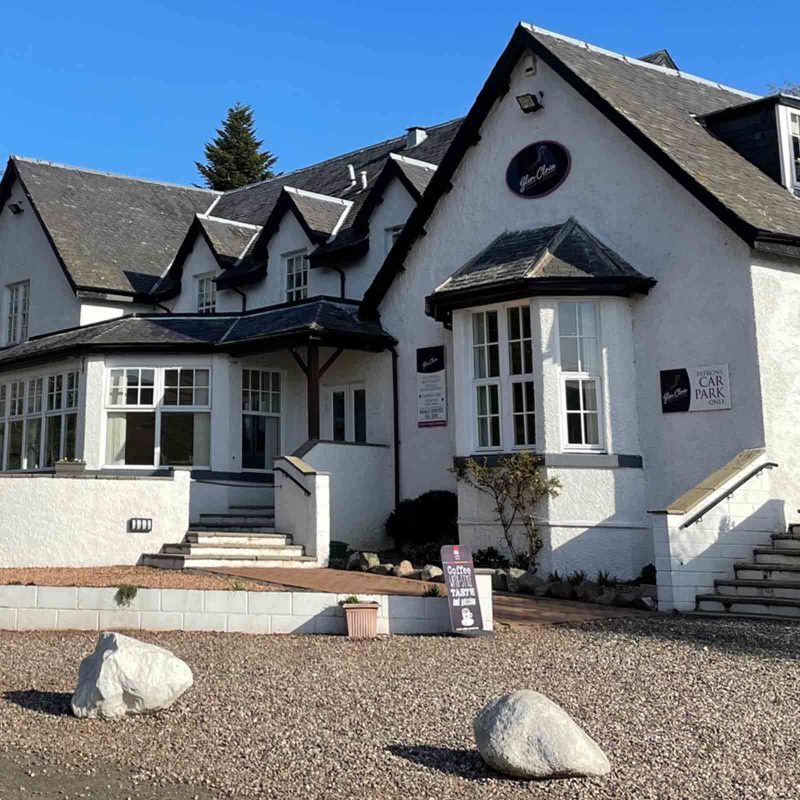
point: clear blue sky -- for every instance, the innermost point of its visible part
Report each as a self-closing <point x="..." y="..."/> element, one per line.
<point x="138" y="87"/>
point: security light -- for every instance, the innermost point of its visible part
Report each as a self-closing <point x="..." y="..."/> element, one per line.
<point x="529" y="103"/>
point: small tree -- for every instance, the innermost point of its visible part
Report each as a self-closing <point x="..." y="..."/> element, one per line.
<point x="516" y="487"/>
<point x="234" y="157"/>
<point x="786" y="88"/>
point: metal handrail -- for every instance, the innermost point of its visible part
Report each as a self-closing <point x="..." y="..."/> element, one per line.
<point x="753" y="472"/>
<point x="292" y="479"/>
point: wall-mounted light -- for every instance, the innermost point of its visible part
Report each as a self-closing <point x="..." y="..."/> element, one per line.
<point x="15" y="208"/>
<point x="529" y="103"/>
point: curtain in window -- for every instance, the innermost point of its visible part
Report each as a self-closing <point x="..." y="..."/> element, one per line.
<point x="116" y="429"/>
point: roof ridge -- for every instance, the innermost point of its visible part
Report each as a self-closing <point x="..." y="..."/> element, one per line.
<point x="339" y="157"/>
<point x="227" y="221"/>
<point x="547" y="254"/>
<point x="328" y="198"/>
<point x="638" y="62"/>
<point x="104" y="173"/>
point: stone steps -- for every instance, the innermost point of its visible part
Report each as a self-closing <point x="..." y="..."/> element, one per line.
<point x="749" y="570"/>
<point x="786" y="541"/>
<point x="237" y="536"/>
<point x="759" y="606"/>
<point x="785" y="590"/>
<point x="241" y="549"/>
<point x="206" y="561"/>
<point x="196" y="527"/>
<point x="242" y="519"/>
<point x="774" y="555"/>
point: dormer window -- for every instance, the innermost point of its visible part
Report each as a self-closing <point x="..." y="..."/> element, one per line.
<point x="206" y="294"/>
<point x="17" y="314"/>
<point x="794" y="143"/>
<point x="296" y="276"/>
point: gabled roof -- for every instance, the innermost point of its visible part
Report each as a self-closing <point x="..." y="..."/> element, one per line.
<point x="656" y="107"/>
<point x="227" y="239"/>
<point x="324" y="320"/>
<point x="110" y="233"/>
<point x="660" y="58"/>
<point x="563" y="259"/>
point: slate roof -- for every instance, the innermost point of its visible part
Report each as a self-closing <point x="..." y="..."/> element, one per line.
<point x="323" y="318"/>
<point x="418" y="175"/>
<point x="556" y="251"/>
<point x="111" y="233"/>
<point x="228" y="239"/>
<point x="320" y="214"/>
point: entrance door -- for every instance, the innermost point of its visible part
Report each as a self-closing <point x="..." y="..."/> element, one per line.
<point x="261" y="418"/>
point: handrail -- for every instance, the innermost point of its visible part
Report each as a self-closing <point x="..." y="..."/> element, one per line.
<point x="292" y="479"/>
<point x="753" y="472"/>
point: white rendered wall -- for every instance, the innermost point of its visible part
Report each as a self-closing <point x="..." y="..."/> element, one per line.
<point x="58" y="521"/>
<point x="26" y="254"/>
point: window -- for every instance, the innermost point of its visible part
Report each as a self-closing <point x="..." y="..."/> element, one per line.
<point x="486" y="374"/>
<point x="391" y="235"/>
<point x="261" y="418"/>
<point x="794" y="136"/>
<point x="206" y="294"/>
<point x="158" y="417"/>
<point x="38" y="421"/>
<point x="18" y="307"/>
<point x="296" y="276"/>
<point x="347" y="413"/>
<point x="580" y="375"/>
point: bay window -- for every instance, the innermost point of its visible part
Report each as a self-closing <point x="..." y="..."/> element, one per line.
<point x="158" y="417"/>
<point x="38" y="421"/>
<point x="580" y="376"/>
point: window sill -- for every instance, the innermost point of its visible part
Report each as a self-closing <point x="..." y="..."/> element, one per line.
<point x="569" y="460"/>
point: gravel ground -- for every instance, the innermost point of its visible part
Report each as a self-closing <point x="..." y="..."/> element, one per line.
<point x="684" y="708"/>
<point x="143" y="577"/>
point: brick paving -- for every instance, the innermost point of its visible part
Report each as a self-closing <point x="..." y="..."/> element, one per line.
<point x="513" y="610"/>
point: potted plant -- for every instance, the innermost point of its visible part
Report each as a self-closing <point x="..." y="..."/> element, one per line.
<point x="362" y="618"/>
<point x="69" y="466"/>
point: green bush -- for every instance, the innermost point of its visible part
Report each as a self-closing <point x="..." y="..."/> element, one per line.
<point x="429" y="520"/>
<point x="490" y="558"/>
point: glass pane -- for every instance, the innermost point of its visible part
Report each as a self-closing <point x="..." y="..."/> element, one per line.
<point x="170" y="396"/>
<point x="479" y="364"/>
<point x="491" y="326"/>
<point x="140" y="429"/>
<point x="177" y="440"/>
<point x="529" y="396"/>
<point x="132" y="377"/>
<point x="589" y="391"/>
<point x="526" y="321"/>
<point x="513" y="323"/>
<point x="115" y="390"/>
<point x="527" y="361"/>
<point x="201" y="397"/>
<point x="276" y="381"/>
<point x="253" y="441"/>
<point x="531" y="422"/>
<point x="574" y="435"/>
<point x="519" y="430"/>
<point x="567" y="319"/>
<point x="52" y="444"/>
<point x="171" y="377"/>
<point x="33" y="441"/>
<point x="70" y="435"/>
<point x="483" y="432"/>
<point x="482" y="407"/>
<point x="569" y="355"/>
<point x="2" y="442"/>
<point x="273" y="439"/>
<point x="276" y="402"/>
<point x="588" y="355"/>
<point x="15" y="445"/>
<point x="132" y="396"/>
<point x="115" y="438"/>
<point x="587" y="320"/>
<point x="494" y="399"/>
<point x="494" y="360"/>
<point x="360" y="415"/>
<point x="245" y="379"/>
<point x="495" y="429"/>
<point x="517" y="397"/>
<point x="573" y="395"/>
<point x="515" y="357"/>
<point x="186" y="377"/>
<point x="592" y="429"/>
<point x="147" y="397"/>
<point x="148" y="377"/>
<point x="201" y="377"/>
<point x="339" y="429"/>
<point x="184" y="396"/>
<point x="477" y="329"/>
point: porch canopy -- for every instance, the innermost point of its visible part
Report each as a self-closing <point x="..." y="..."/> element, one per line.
<point x="301" y="327"/>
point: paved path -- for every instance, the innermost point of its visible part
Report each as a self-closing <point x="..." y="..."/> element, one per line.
<point x="509" y="609"/>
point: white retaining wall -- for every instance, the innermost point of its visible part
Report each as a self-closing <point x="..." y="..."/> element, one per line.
<point x="65" y="521"/>
<point x="81" y="608"/>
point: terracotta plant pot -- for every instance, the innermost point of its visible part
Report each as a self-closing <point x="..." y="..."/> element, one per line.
<point x="362" y="620"/>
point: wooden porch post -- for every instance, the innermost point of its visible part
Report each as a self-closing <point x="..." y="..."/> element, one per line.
<point x="312" y="378"/>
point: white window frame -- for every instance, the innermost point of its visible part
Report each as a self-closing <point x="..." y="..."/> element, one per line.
<point x="349" y="390"/>
<point x="581" y="375"/>
<point x="17" y="311"/>
<point x="15" y="406"/>
<point x="206" y="293"/>
<point x="390" y="235"/>
<point x="157" y="407"/>
<point x="295" y="291"/>
<point x="790" y="168"/>
<point x="275" y="414"/>
<point x="505" y="380"/>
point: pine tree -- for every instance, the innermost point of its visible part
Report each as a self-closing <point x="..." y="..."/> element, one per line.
<point x="234" y="157"/>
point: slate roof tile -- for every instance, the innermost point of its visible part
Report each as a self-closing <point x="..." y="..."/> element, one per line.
<point x="228" y="239"/>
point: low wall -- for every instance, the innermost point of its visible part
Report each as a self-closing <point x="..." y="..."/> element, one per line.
<point x="81" y="608"/>
<point x="81" y="520"/>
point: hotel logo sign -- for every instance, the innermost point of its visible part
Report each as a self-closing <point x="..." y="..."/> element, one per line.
<point x="538" y="169"/>
<point x="695" y="389"/>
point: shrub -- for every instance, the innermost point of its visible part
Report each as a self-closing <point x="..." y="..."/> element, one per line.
<point x="125" y="594"/>
<point x="433" y="591"/>
<point x="429" y="520"/>
<point x="490" y="557"/>
<point x="604" y="578"/>
<point x="577" y="577"/>
<point x="350" y="601"/>
<point x="648" y="574"/>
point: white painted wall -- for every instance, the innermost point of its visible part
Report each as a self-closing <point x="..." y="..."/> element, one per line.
<point x="26" y="254"/>
<point x="56" y="521"/>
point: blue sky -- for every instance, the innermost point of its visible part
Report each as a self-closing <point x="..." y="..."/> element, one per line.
<point x="137" y="88"/>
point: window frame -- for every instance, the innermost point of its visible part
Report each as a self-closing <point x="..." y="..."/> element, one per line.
<point x="581" y="375"/>
<point x="349" y="390"/>
<point x="790" y="166"/>
<point x="279" y="415"/>
<point x="203" y="304"/>
<point x="286" y="260"/>
<point x="157" y="407"/>
<point x="17" y="320"/>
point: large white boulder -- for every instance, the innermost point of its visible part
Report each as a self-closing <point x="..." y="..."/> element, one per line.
<point x="526" y="735"/>
<point x="125" y="676"/>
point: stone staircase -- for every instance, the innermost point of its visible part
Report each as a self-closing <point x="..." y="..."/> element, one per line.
<point x="244" y="536"/>
<point x="768" y="586"/>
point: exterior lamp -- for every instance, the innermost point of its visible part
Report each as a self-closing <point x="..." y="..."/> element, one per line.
<point x="529" y="103"/>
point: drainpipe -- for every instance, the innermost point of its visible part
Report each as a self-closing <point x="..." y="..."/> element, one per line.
<point x="396" y="405"/>
<point x="242" y="295"/>
<point x="342" y="283"/>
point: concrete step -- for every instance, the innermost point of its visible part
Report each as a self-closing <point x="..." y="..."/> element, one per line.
<point x="199" y="561"/>
<point x="223" y="537"/>
<point x="772" y="555"/>
<point x="785" y="590"/>
<point x="773" y="607"/>
<point x="251" y="509"/>
<point x="786" y="541"/>
<point x="243" y="550"/>
<point x="246" y="520"/>
<point x="196" y="527"/>
<point x="748" y="570"/>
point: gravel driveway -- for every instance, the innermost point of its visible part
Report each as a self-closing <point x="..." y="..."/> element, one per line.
<point x="684" y="708"/>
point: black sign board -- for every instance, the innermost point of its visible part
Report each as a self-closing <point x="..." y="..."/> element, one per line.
<point x="462" y="589"/>
<point x="675" y="390"/>
<point x="538" y="169"/>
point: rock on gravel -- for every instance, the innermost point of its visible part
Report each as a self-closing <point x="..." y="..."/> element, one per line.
<point x="125" y="676"/>
<point x="526" y="735"/>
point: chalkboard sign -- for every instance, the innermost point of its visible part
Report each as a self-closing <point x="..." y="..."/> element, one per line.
<point x="462" y="589"/>
<point x="538" y="169"/>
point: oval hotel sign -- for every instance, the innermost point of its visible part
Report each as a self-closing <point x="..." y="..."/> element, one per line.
<point x="538" y="169"/>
